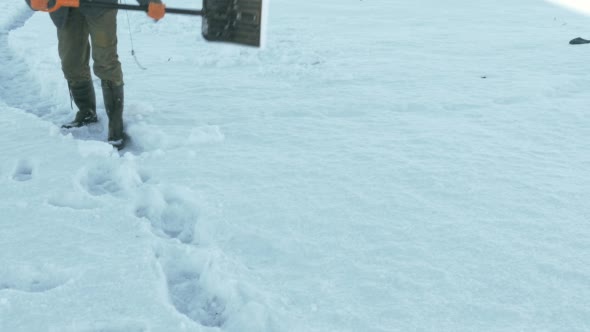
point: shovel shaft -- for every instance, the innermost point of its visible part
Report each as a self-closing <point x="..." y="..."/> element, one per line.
<point x="91" y="3"/>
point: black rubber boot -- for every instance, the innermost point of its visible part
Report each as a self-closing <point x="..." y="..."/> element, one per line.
<point x="83" y="94"/>
<point x="113" y="103"/>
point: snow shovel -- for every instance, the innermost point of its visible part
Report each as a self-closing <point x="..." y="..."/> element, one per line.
<point x="233" y="21"/>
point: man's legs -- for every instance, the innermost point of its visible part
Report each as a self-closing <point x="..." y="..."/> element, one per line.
<point x="103" y="33"/>
<point x="74" y="52"/>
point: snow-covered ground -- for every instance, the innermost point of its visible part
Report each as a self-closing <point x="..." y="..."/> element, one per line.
<point x="381" y="165"/>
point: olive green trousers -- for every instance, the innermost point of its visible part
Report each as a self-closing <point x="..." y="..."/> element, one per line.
<point x="83" y="36"/>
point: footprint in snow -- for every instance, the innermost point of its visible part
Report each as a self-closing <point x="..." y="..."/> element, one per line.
<point x="108" y="177"/>
<point x="191" y="290"/>
<point x="171" y="214"/>
<point x="23" y="170"/>
<point x="191" y="299"/>
<point x="32" y="279"/>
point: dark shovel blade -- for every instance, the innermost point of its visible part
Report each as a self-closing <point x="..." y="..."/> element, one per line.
<point x="233" y="21"/>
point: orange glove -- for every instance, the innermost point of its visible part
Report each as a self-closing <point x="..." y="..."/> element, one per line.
<point x="155" y="10"/>
<point x="43" y="5"/>
<point x="39" y="4"/>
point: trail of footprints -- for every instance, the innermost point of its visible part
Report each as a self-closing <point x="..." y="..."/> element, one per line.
<point x="173" y="217"/>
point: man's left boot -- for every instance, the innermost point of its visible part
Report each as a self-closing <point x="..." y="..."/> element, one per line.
<point x="113" y="102"/>
<point x="83" y="94"/>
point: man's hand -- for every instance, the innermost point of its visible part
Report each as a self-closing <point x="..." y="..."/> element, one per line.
<point x="39" y="4"/>
<point x="156" y="9"/>
<point x="44" y="5"/>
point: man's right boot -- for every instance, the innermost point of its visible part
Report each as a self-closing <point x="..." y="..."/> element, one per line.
<point x="83" y="94"/>
<point x="113" y="95"/>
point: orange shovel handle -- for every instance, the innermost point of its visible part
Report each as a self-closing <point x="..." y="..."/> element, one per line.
<point x="43" y="5"/>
